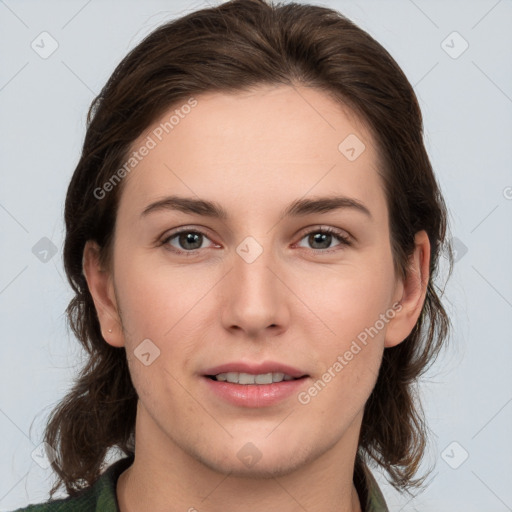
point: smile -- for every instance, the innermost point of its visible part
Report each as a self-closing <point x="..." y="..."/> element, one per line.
<point x="247" y="378"/>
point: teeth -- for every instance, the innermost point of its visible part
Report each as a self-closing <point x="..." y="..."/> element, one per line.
<point x="247" y="378"/>
<point x="232" y="377"/>
<point x="265" y="378"/>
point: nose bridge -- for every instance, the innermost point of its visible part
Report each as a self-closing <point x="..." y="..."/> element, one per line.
<point x="255" y="296"/>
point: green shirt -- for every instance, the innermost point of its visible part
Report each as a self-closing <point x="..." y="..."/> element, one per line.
<point x="101" y="497"/>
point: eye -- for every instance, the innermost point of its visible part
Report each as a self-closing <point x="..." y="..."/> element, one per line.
<point x="322" y="238"/>
<point x="185" y="241"/>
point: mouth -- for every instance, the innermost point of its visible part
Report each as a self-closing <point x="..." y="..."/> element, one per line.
<point x="245" y="373"/>
<point x="248" y="378"/>
<point x="254" y="385"/>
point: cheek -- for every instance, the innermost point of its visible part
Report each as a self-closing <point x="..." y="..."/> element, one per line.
<point x="348" y="299"/>
<point x="349" y="332"/>
<point x="156" y="297"/>
<point x="167" y="306"/>
<point x="348" y="361"/>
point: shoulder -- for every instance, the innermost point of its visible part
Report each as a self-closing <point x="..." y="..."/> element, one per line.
<point x="99" y="497"/>
<point x="82" y="502"/>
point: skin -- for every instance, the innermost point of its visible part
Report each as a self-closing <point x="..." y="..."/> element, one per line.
<point x="253" y="153"/>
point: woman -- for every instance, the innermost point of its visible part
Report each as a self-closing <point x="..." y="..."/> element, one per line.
<point x="252" y="234"/>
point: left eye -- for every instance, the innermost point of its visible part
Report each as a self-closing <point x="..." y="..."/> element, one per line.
<point x="324" y="237"/>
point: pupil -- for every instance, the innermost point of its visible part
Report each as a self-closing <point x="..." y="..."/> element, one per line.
<point x="190" y="238"/>
<point x="321" y="238"/>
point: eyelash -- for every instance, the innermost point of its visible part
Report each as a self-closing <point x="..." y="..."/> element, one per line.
<point x="343" y="239"/>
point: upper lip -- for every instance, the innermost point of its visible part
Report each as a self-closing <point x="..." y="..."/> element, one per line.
<point x="255" y="369"/>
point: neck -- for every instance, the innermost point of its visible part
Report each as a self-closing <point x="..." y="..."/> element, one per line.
<point x="173" y="480"/>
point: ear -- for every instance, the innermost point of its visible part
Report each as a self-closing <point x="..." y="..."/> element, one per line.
<point x="414" y="291"/>
<point x="101" y="287"/>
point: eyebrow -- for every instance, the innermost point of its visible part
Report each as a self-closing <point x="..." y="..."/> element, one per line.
<point x="297" y="208"/>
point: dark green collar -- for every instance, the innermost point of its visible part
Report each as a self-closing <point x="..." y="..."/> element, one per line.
<point x="102" y="497"/>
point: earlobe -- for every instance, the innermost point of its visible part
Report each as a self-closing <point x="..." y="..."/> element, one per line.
<point x="414" y="292"/>
<point x="101" y="288"/>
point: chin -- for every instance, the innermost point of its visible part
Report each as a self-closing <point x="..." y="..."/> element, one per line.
<point x="247" y="459"/>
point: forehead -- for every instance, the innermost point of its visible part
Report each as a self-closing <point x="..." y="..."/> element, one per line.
<point x="255" y="149"/>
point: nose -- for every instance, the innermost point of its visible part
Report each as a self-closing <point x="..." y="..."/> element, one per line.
<point x="255" y="297"/>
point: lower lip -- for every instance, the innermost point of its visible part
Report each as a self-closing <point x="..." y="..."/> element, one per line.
<point x="255" y="395"/>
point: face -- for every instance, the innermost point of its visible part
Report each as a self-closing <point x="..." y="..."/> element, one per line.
<point x="309" y="293"/>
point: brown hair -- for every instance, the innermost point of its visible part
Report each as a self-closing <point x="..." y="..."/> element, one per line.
<point x="233" y="47"/>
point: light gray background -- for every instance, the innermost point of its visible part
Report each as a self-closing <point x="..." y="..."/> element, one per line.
<point x="467" y="107"/>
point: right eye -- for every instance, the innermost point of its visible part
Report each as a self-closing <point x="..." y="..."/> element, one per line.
<point x="185" y="241"/>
